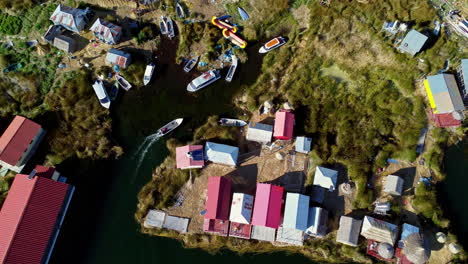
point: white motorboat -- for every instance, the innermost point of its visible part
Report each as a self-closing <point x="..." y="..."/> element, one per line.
<point x="170" y="27"/>
<point x="163" y="25"/>
<point x="232" y="69"/>
<point x="148" y="73"/>
<point x="123" y="83"/>
<point x="101" y="93"/>
<point x="272" y="44"/>
<point x="169" y="127"/>
<point x="203" y="80"/>
<point x="191" y="64"/>
<point x="231" y="122"/>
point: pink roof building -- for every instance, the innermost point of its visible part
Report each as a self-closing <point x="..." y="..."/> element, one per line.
<point x="190" y="157"/>
<point x="267" y="206"/>
<point x="31" y="217"/>
<point x="218" y="198"/>
<point x="284" y="125"/>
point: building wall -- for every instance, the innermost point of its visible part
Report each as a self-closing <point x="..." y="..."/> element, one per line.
<point x="29" y="152"/>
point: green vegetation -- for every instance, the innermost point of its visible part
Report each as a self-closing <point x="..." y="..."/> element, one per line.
<point x="145" y="34"/>
<point x="135" y="72"/>
<point x="5" y="183"/>
<point x="9" y="25"/>
<point x="16" y="4"/>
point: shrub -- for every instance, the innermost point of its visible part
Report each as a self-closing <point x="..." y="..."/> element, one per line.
<point x="10" y="25"/>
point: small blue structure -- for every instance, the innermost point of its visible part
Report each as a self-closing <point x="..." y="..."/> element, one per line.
<point x="303" y="144"/>
<point x="394" y="161"/>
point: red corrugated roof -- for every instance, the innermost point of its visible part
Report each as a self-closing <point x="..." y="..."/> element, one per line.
<point x="28" y="218"/>
<point x="43" y="171"/>
<point x="445" y="120"/>
<point x="284" y="125"/>
<point x="16" y="139"/>
<point x="218" y="198"/>
<point x="267" y="206"/>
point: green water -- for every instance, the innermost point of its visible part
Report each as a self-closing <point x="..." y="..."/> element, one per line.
<point x="454" y="191"/>
<point x="100" y="227"/>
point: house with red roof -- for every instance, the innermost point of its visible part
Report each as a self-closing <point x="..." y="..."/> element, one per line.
<point x="32" y="215"/>
<point x="268" y="205"/>
<point x="106" y="31"/>
<point x="218" y="201"/>
<point x="118" y="57"/>
<point x="284" y="125"/>
<point x="19" y="142"/>
<point x="190" y="157"/>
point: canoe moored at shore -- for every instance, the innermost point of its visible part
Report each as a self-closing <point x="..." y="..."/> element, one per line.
<point x="123" y="83"/>
<point x="170" y="28"/>
<point x="101" y="94"/>
<point x="272" y="44"/>
<point x="220" y="23"/>
<point x="166" y="129"/>
<point x="163" y="25"/>
<point x="236" y="40"/>
<point x="232" y="69"/>
<point x="148" y="73"/>
<point x="231" y="122"/>
<point x="191" y="64"/>
<point x="203" y="80"/>
<point x="242" y="13"/>
<point x="180" y="11"/>
<point x="114" y="91"/>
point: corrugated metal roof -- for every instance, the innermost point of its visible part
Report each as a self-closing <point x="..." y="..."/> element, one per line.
<point x="413" y="42"/>
<point x="29" y="217"/>
<point x="303" y="144"/>
<point x="117" y="57"/>
<point x="218" y="198"/>
<point x="445" y="94"/>
<point x="284" y="125"/>
<point x="241" y="208"/>
<point x="316" y="224"/>
<point x="155" y="218"/>
<point x="464" y="70"/>
<point x="179" y="224"/>
<point x="107" y="31"/>
<point x="393" y="185"/>
<point x="222" y="154"/>
<point x="267" y="206"/>
<point x="348" y="232"/>
<point x="259" y="132"/>
<point x="379" y="230"/>
<point x="70" y="18"/>
<point x="190" y="156"/>
<point x="16" y="139"/>
<point x="296" y="211"/>
<point x="325" y="178"/>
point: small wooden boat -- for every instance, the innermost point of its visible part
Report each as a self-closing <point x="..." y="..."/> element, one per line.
<point x="114" y="91"/>
<point x="232" y="122"/>
<point x="123" y="83"/>
<point x="170" y="28"/>
<point x="163" y="25"/>
<point x="169" y="127"/>
<point x="236" y="40"/>
<point x="101" y="94"/>
<point x="203" y="80"/>
<point x="242" y="13"/>
<point x="232" y="69"/>
<point x="180" y="11"/>
<point x="272" y="44"/>
<point x="191" y="64"/>
<point x="148" y="73"/>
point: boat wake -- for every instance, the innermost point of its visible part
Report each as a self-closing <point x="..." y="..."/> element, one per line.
<point x="143" y="149"/>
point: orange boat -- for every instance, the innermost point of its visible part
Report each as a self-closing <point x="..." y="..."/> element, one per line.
<point x="272" y="44"/>
<point x="236" y="40"/>
<point x="223" y="25"/>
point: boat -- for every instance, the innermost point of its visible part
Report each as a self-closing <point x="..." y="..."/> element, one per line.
<point x="101" y="93"/>
<point x="232" y="69"/>
<point x="191" y="64"/>
<point x="148" y="73"/>
<point x="114" y="91"/>
<point x="180" y="11"/>
<point x="123" y="83"/>
<point x="222" y="24"/>
<point x="163" y="25"/>
<point x="169" y="127"/>
<point x="236" y="40"/>
<point x="272" y="44"/>
<point x="232" y="122"/>
<point x="170" y="27"/>
<point x="203" y="80"/>
<point x="242" y="13"/>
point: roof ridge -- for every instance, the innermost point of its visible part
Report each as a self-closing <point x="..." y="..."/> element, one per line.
<point x="16" y="132"/>
<point x="22" y="213"/>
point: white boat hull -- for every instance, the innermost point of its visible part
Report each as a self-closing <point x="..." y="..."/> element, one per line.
<point x="101" y="94"/>
<point x="192" y="87"/>
<point x="148" y="74"/>
<point x="166" y="129"/>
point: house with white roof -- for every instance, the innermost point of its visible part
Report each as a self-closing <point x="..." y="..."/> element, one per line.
<point x="393" y="185"/>
<point x="325" y="178"/>
<point x="241" y="208"/>
<point x="106" y="31"/>
<point x="413" y="42"/>
<point x="296" y="211"/>
<point x="70" y="18"/>
<point x="348" y="232"/>
<point x="303" y="144"/>
<point x="258" y="132"/>
<point x="221" y="154"/>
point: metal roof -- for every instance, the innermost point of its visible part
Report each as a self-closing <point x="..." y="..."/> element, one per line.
<point x="325" y="178"/>
<point x="284" y="125"/>
<point x="317" y="222"/>
<point x="190" y="156"/>
<point x="379" y="230"/>
<point x="263" y="233"/>
<point x="267" y="206"/>
<point x="154" y="218"/>
<point x="464" y="72"/>
<point x="118" y="57"/>
<point x="259" y="132"/>
<point x="218" y="198"/>
<point x="107" y="31"/>
<point x="296" y="211"/>
<point x="290" y="236"/>
<point x="413" y="42"/>
<point x="393" y="185"/>
<point x="348" y="232"/>
<point x="303" y="144"/>
<point x="222" y="154"/>
<point x="443" y="93"/>
<point x="179" y="224"/>
<point x="241" y="208"/>
<point x="71" y="18"/>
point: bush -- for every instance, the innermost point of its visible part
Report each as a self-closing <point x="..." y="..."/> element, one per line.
<point x="10" y="25"/>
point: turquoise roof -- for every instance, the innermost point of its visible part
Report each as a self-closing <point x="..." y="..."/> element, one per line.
<point x="464" y="67"/>
<point x="413" y="42"/>
<point x="437" y="83"/>
<point x="296" y="211"/>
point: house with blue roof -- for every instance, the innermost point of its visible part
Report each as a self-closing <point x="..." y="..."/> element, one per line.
<point x="303" y="144"/>
<point x="221" y="154"/>
<point x="317" y="222"/>
<point x="463" y="80"/>
<point x="413" y="42"/>
<point x="296" y="211"/>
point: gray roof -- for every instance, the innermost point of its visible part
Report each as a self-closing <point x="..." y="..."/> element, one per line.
<point x="416" y="249"/>
<point x="303" y="144"/>
<point x="290" y="236"/>
<point x="118" y="57"/>
<point x="259" y="132"/>
<point x="378" y="230"/>
<point x="386" y="250"/>
<point x="154" y="218"/>
<point x="64" y="43"/>
<point x="464" y="72"/>
<point x="263" y="233"/>
<point x="179" y="224"/>
<point x="348" y="232"/>
<point x="222" y="154"/>
<point x="393" y="185"/>
<point x="317" y="222"/>
<point x="413" y="42"/>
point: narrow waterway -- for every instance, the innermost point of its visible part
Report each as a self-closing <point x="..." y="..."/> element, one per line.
<point x="454" y="195"/>
<point x="100" y="226"/>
